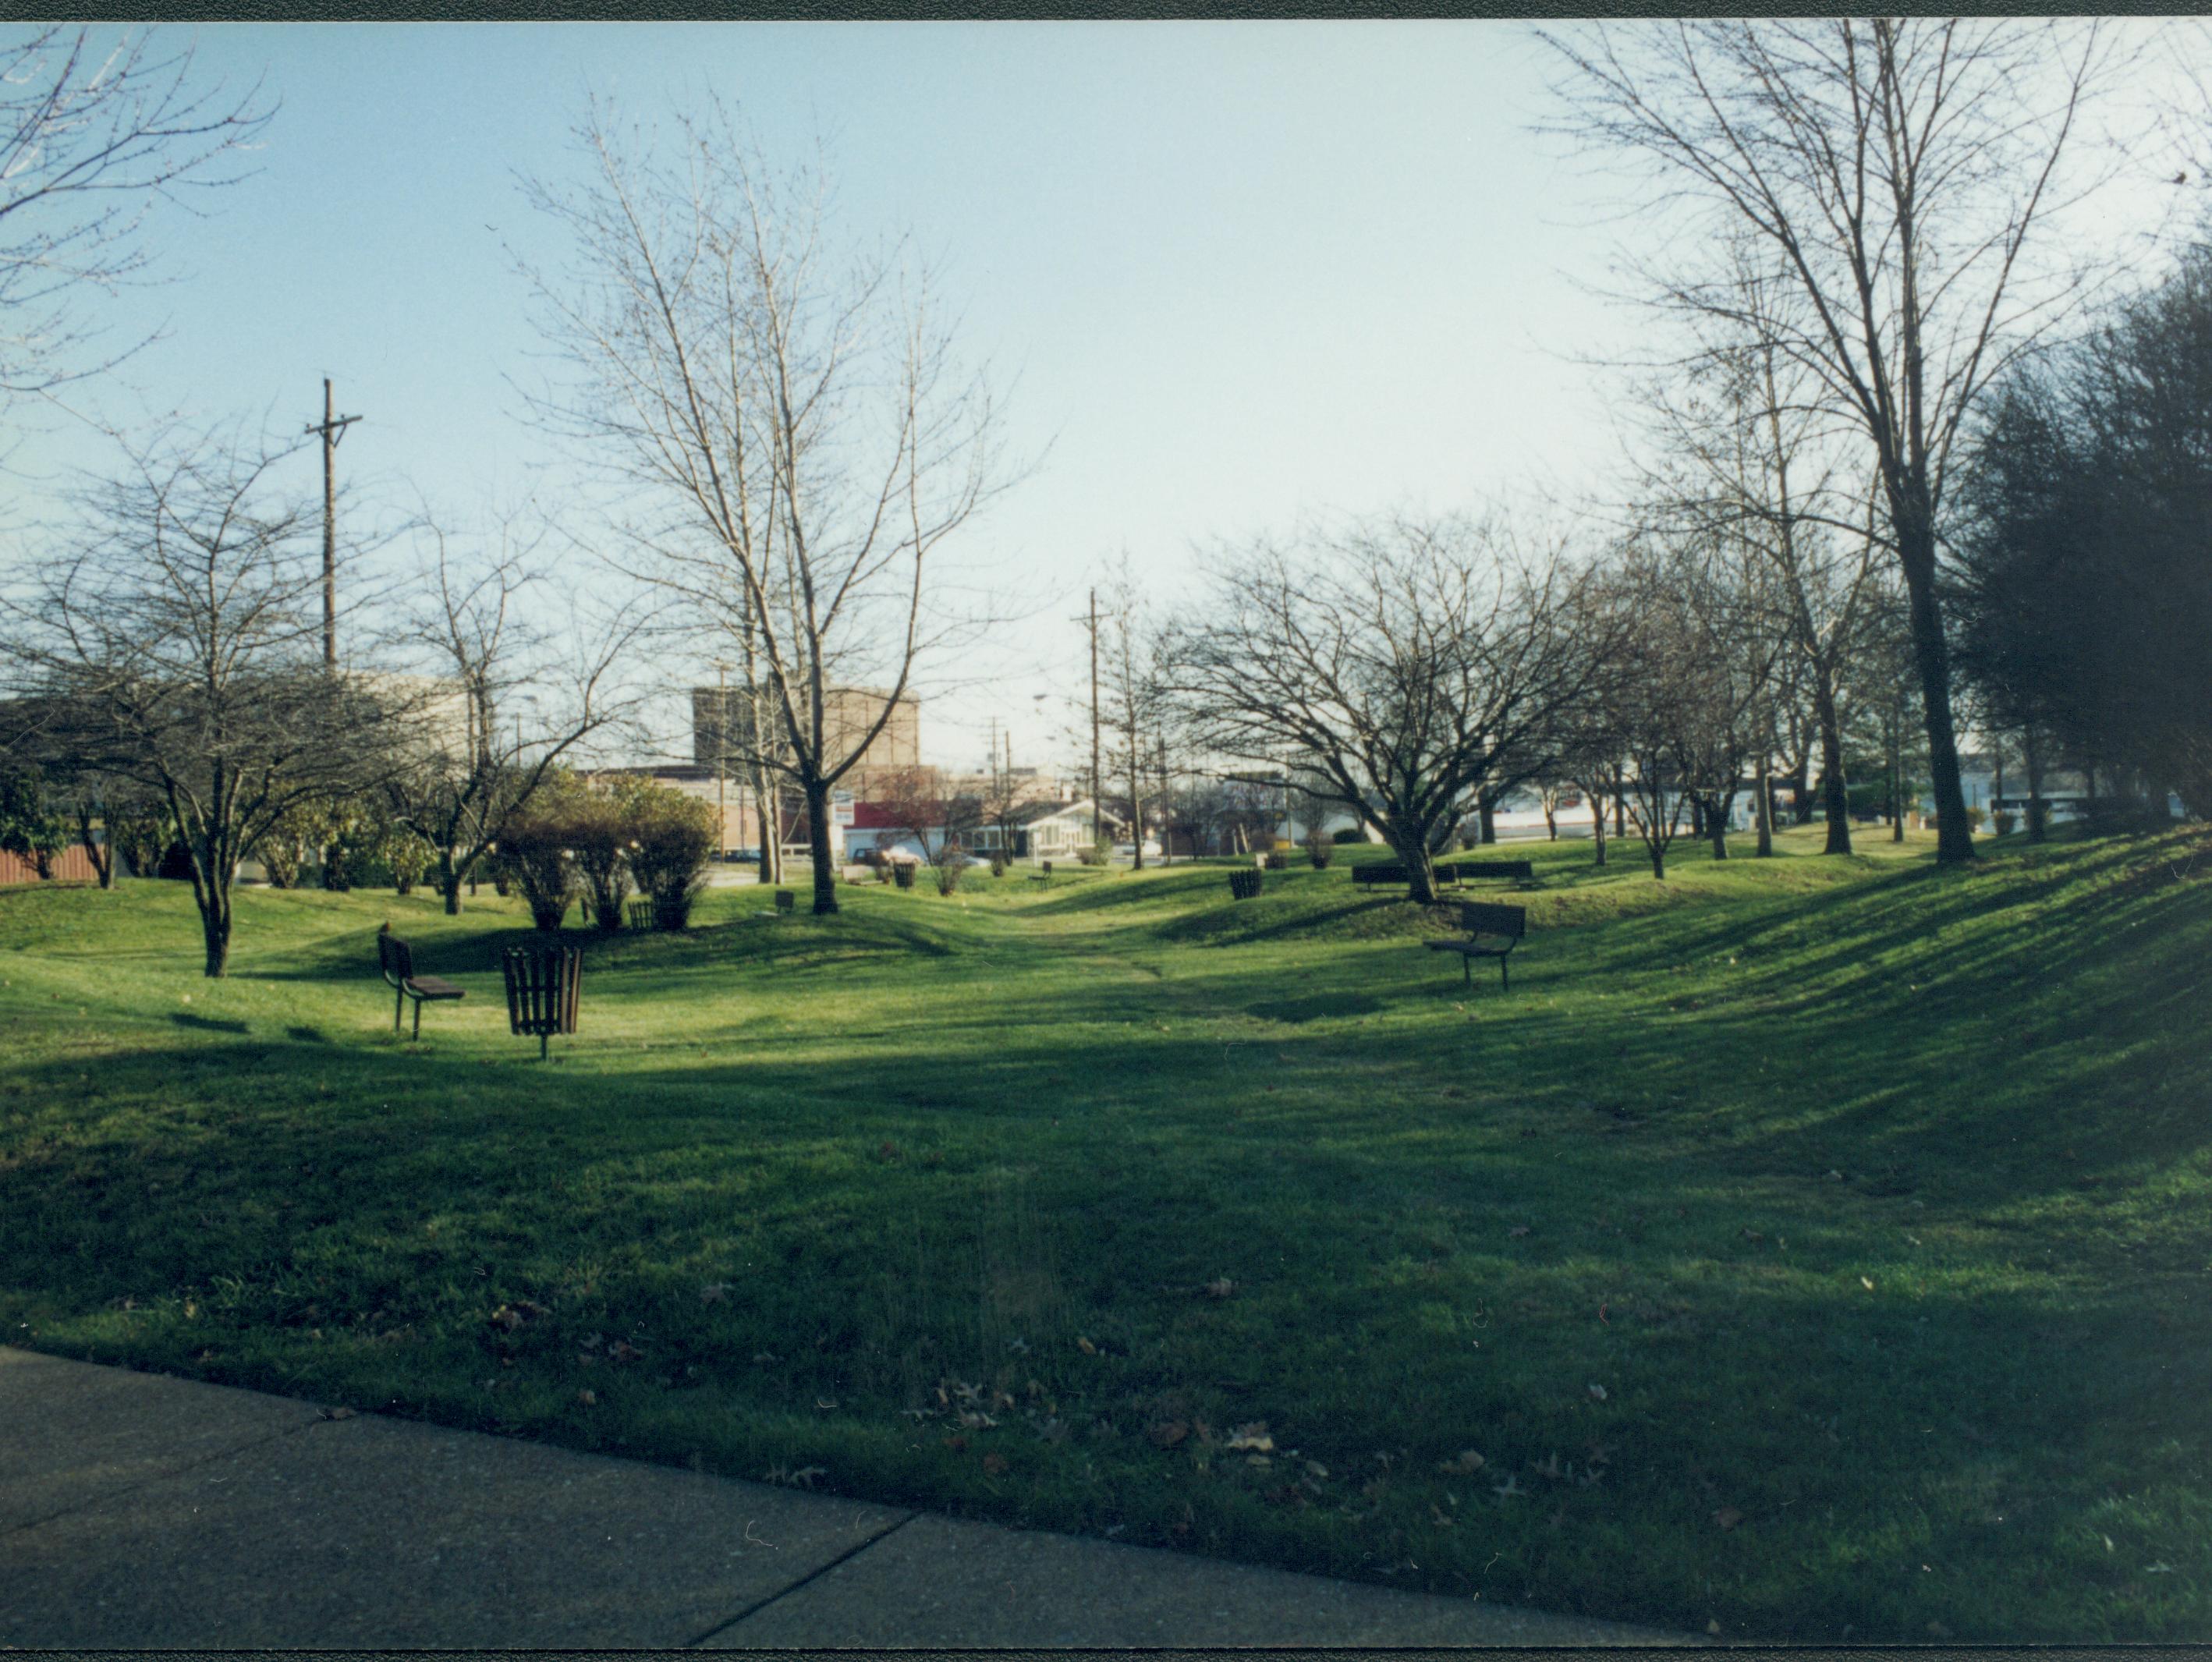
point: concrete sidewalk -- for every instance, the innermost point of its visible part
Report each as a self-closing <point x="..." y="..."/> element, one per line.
<point x="140" y="1511"/>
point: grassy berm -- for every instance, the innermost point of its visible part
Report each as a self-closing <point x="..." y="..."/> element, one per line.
<point x="1807" y="1248"/>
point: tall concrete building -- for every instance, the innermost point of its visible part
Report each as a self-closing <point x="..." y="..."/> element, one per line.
<point x="721" y="729"/>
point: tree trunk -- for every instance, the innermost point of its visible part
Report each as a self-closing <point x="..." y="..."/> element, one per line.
<point x="101" y="853"/>
<point x="1916" y="555"/>
<point x="1137" y="813"/>
<point x="1835" y="788"/>
<point x="1551" y="821"/>
<point x="1717" y="827"/>
<point x="1619" y="809"/>
<point x="215" y="928"/>
<point x="2033" y="757"/>
<point x="1597" y="820"/>
<point x="817" y="838"/>
<point x="1658" y="861"/>
<point x="1412" y="851"/>
<point x="1765" y="786"/>
<point x="1897" y="789"/>
<point x="1485" y="817"/>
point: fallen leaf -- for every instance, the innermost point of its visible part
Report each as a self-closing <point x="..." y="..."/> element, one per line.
<point x="1728" y="1517"/>
<point x="1253" y="1437"/>
<point x="1166" y="1434"/>
<point x="1597" y="1392"/>
<point x="1465" y="1462"/>
<point x="1516" y="1232"/>
<point x="589" y="1398"/>
<point x="975" y="1421"/>
<point x="1221" y="1289"/>
<point x="825" y="1402"/>
<point x="714" y="1292"/>
<point x="1085" y="1346"/>
<point x="335" y="1413"/>
<point x="994" y="1464"/>
<point x="957" y="1444"/>
<point x="624" y="1350"/>
<point x="1866" y="1283"/>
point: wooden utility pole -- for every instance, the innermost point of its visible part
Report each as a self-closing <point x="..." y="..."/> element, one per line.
<point x="332" y="428"/>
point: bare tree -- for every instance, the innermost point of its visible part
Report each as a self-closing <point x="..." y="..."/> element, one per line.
<point x="1749" y="454"/>
<point x="1133" y="709"/>
<point x="93" y="134"/>
<point x="175" y="641"/>
<point x="940" y="821"/>
<point x="509" y="702"/>
<point x="792" y="419"/>
<point x="1397" y="665"/>
<point x="1900" y="170"/>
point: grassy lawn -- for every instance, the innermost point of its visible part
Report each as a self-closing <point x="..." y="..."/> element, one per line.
<point x="1818" y="1248"/>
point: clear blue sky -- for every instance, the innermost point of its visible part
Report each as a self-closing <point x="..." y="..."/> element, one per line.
<point x="1240" y="271"/>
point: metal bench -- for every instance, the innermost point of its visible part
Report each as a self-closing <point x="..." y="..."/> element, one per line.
<point x="542" y="985"/>
<point x="1463" y="871"/>
<point x="396" y="961"/>
<point x="1362" y="875"/>
<point x="1493" y="932"/>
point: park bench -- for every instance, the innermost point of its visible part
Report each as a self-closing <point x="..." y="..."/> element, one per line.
<point x="1364" y="876"/>
<point x="1243" y="885"/>
<point x="1463" y="871"/>
<point x="542" y="986"/>
<point x="1493" y="932"/>
<point x="397" y="960"/>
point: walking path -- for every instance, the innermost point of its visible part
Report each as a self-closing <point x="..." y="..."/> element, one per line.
<point x="138" y="1510"/>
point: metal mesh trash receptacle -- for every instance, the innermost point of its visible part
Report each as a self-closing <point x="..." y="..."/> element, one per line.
<point x="542" y="985"/>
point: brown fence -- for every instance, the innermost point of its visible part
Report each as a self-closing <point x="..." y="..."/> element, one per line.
<point x="72" y="865"/>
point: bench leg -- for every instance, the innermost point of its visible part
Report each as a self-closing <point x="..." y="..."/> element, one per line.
<point x="1466" y="970"/>
<point x="399" y="999"/>
<point x="1505" y="981"/>
<point x="418" y="1018"/>
<point x="543" y="1039"/>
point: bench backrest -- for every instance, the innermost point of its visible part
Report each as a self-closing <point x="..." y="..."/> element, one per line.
<point x="1489" y="869"/>
<point x="1481" y="918"/>
<point x="1375" y="874"/>
<point x="394" y="957"/>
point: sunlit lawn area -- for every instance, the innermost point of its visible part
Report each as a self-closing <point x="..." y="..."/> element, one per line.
<point x="1814" y="1247"/>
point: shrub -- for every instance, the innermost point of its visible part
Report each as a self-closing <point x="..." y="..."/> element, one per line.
<point x="1096" y="854"/>
<point x="535" y="852"/>
<point x="407" y="857"/>
<point x="671" y="839"/>
<point x="1350" y="834"/>
<point x="600" y="830"/>
<point x="2004" y="820"/>
<point x="998" y="863"/>
<point x="951" y="864"/>
<point x="1275" y="860"/>
<point x="1320" y="849"/>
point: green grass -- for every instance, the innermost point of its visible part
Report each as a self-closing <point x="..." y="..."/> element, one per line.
<point x="1873" y="1197"/>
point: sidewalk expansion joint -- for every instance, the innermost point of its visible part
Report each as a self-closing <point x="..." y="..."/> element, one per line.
<point x="161" y="1477"/>
<point x="812" y="1576"/>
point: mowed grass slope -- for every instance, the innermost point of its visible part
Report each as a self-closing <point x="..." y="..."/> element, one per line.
<point x="1817" y="1248"/>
